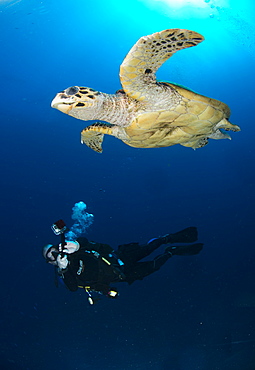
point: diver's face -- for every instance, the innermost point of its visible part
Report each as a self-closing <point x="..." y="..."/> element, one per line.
<point x="50" y="255"/>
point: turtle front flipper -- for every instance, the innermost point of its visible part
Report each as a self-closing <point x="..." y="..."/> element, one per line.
<point x="138" y="69"/>
<point x="93" y="135"/>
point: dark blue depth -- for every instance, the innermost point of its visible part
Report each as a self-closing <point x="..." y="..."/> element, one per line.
<point x="196" y="313"/>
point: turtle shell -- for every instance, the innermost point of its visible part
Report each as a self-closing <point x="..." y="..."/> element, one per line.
<point x="188" y="123"/>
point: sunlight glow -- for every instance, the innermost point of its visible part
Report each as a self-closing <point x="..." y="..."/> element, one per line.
<point x="182" y="3"/>
<point x="177" y="4"/>
<point x="188" y="9"/>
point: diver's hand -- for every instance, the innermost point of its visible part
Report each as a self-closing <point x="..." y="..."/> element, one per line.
<point x="71" y="247"/>
<point x="62" y="262"/>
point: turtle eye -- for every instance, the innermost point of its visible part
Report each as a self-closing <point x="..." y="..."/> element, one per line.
<point x="72" y="90"/>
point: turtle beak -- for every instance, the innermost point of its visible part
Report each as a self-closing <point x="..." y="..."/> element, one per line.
<point x="60" y="102"/>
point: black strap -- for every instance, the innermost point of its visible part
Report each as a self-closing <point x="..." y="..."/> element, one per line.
<point x="62" y="244"/>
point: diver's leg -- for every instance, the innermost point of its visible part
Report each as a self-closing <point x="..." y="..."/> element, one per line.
<point x="188" y="235"/>
<point x="134" y="252"/>
<point x="142" y="269"/>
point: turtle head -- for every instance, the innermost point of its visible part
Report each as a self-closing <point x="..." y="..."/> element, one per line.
<point x="76" y="101"/>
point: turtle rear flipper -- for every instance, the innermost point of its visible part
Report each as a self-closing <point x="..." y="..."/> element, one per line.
<point x="93" y="135"/>
<point x="143" y="60"/>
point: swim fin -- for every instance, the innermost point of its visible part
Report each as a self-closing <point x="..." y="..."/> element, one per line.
<point x="188" y="235"/>
<point x="185" y="250"/>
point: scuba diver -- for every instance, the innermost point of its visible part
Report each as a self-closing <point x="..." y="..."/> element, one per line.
<point x="95" y="266"/>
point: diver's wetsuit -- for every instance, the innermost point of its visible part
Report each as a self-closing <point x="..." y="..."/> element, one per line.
<point x="97" y="265"/>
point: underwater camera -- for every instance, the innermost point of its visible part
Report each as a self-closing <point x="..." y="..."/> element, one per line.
<point x="59" y="227"/>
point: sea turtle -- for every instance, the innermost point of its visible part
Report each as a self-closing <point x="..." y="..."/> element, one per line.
<point x="147" y="113"/>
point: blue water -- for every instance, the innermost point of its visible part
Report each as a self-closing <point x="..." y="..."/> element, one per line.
<point x="196" y="312"/>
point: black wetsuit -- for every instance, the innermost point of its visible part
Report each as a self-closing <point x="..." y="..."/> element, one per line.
<point x="97" y="265"/>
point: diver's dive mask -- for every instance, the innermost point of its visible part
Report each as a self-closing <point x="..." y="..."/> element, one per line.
<point x="50" y="253"/>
